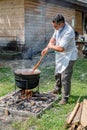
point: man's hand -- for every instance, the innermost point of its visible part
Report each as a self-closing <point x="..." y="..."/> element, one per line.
<point x="44" y="51"/>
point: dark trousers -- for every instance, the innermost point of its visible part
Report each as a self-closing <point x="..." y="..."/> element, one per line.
<point x="64" y="80"/>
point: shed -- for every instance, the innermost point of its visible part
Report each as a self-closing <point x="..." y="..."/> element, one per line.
<point x="29" y="21"/>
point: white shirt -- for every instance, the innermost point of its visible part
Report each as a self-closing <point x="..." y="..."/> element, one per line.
<point x="65" y="38"/>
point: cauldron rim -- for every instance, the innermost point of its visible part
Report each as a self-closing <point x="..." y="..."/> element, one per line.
<point x="26" y="71"/>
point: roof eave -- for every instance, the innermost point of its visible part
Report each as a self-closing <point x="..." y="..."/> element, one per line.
<point x="78" y="2"/>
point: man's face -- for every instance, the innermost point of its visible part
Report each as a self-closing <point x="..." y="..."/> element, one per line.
<point x="57" y="26"/>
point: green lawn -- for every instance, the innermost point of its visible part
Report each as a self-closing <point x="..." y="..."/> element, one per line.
<point x="55" y="118"/>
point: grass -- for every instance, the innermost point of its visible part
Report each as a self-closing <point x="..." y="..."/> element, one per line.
<point x="55" y="118"/>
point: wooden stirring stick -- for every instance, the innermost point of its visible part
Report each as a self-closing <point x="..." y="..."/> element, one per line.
<point x="38" y="63"/>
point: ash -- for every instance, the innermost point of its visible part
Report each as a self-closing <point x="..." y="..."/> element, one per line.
<point x="22" y="103"/>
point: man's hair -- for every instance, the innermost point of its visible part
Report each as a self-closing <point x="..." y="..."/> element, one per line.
<point x="58" y="19"/>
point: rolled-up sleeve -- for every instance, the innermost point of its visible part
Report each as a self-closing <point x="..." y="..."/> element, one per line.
<point x="66" y="39"/>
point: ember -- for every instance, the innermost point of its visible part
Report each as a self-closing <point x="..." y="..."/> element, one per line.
<point x="26" y="94"/>
<point x="27" y="102"/>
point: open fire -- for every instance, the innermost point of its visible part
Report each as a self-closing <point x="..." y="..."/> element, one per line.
<point x="27" y="102"/>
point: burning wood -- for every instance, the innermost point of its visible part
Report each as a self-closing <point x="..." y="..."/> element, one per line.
<point x="26" y="94"/>
<point x="77" y="120"/>
<point x="27" y="102"/>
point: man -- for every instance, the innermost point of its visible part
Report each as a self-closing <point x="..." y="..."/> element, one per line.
<point x="63" y="43"/>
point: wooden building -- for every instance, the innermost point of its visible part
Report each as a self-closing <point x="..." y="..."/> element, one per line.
<point x="29" y="21"/>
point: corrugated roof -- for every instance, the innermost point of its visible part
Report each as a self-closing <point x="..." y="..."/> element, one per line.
<point x="83" y="1"/>
<point x="78" y="2"/>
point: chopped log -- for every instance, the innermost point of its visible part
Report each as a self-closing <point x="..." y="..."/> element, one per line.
<point x="77" y="117"/>
<point x="79" y="127"/>
<point x="84" y="114"/>
<point x="73" y="113"/>
<point x="72" y="127"/>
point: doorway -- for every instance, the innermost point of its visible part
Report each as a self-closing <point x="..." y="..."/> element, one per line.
<point x="79" y="22"/>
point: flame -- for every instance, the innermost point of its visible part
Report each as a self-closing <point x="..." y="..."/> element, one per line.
<point x="26" y="94"/>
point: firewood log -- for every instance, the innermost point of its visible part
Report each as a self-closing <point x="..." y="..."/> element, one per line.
<point x="73" y="113"/>
<point x="84" y="114"/>
<point x="72" y="127"/>
<point x="79" y="127"/>
<point x="77" y="117"/>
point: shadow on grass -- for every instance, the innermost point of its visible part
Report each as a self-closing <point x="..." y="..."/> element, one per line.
<point x="74" y="99"/>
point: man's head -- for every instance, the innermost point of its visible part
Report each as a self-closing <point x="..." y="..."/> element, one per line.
<point x="58" y="21"/>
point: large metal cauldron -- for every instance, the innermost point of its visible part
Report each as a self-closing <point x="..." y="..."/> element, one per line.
<point x="25" y="79"/>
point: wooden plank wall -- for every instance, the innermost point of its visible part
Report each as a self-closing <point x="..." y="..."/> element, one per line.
<point x="78" y="22"/>
<point x="30" y="20"/>
<point x="38" y="27"/>
<point x="12" y="18"/>
<point x="51" y="10"/>
<point x="35" y="23"/>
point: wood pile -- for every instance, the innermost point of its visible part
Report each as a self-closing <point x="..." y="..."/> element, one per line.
<point x="77" y="119"/>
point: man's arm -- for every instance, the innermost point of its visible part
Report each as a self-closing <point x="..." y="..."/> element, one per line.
<point x="54" y="47"/>
<point x="51" y="45"/>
